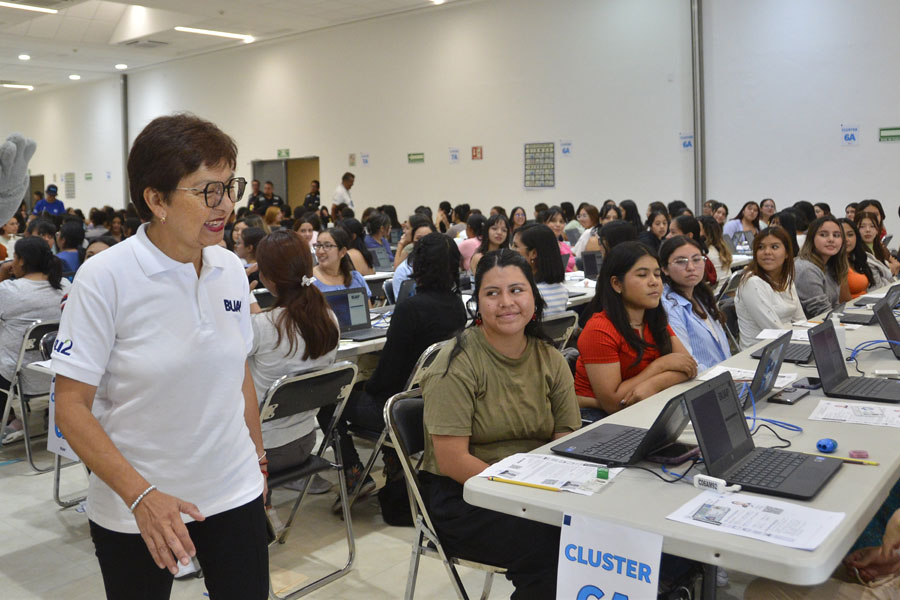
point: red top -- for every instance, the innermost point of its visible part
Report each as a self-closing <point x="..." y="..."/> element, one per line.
<point x="601" y="343"/>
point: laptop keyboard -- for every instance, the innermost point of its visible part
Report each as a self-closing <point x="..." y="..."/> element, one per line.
<point x="619" y="448"/>
<point x="795" y="353"/>
<point x="767" y="468"/>
<point x="863" y="386"/>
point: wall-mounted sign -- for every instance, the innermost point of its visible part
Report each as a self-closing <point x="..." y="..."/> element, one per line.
<point x="88" y="176"/>
<point x="284" y="153"/>
<point x="364" y="158"/>
<point x="540" y="165"/>
<point x="889" y="134"/>
<point x="477" y="152"/>
<point x="849" y="135"/>
<point x="415" y="157"/>
<point x="351" y="159"/>
<point x="686" y="141"/>
<point x="454" y="156"/>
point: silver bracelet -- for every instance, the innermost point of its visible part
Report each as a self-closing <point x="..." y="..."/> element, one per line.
<point x="141" y="497"/>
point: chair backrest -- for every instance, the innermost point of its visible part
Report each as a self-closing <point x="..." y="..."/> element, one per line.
<point x="47" y="344"/>
<point x="403" y="414"/>
<point x="309" y="390"/>
<point x="427" y="357"/>
<point x="729" y="309"/>
<point x="729" y="289"/>
<point x="560" y="327"/>
<point x="388" y="288"/>
<point x="34" y="337"/>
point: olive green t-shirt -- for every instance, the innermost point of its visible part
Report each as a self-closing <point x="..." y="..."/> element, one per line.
<point x="503" y="405"/>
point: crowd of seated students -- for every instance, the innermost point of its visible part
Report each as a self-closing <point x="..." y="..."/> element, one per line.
<point x="654" y="320"/>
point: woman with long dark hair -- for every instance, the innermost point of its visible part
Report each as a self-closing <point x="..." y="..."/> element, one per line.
<point x="690" y="303"/>
<point x="496" y="237"/>
<point x="378" y="226"/>
<point x="631" y="214"/>
<point x="335" y="270"/>
<point x="787" y="220"/>
<point x="766" y="212"/>
<point x="628" y="352"/>
<point x="821" y="267"/>
<point x="716" y="250"/>
<point x="747" y="219"/>
<point x="657" y="227"/>
<point x="869" y="228"/>
<point x="860" y="277"/>
<point x="517" y="218"/>
<point x="498" y="389"/>
<point x="298" y="332"/>
<point x="767" y="297"/>
<point x="359" y="254"/>
<point x="35" y="293"/>
<point x="539" y="247"/>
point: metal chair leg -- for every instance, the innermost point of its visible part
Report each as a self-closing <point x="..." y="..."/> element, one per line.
<point x="26" y="410"/>
<point x="414" y="563"/>
<point x="488" y="582"/>
<point x="57" y="468"/>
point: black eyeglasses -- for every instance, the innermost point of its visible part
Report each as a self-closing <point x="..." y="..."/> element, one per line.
<point x="214" y="191"/>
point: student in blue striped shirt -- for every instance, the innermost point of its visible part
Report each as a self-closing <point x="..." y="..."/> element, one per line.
<point x="537" y="243"/>
<point x="690" y="303"/>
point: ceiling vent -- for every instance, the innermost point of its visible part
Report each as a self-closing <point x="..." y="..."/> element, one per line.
<point x="150" y="44"/>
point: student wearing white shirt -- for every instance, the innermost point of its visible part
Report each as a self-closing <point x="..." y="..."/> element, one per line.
<point x="717" y="252"/>
<point x="766" y="297"/>
<point x="537" y="243"/>
<point x="153" y="390"/>
<point x="298" y="333"/>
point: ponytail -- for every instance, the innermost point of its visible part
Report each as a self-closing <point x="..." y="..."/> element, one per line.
<point x="37" y="258"/>
<point x="54" y="272"/>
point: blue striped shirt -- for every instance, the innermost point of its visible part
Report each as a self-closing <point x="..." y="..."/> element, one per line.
<point x="706" y="342"/>
<point x="555" y="296"/>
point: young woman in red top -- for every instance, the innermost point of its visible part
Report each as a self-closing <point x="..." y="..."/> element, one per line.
<point x="628" y="352"/>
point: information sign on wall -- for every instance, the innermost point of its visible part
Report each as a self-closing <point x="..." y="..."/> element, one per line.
<point x="415" y="157"/>
<point x="540" y="165"/>
<point x="849" y="135"/>
<point x="477" y="152"/>
<point x="889" y="134"/>
<point x="284" y="153"/>
<point x="69" y="185"/>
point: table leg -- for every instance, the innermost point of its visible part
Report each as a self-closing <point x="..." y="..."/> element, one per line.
<point x="709" y="582"/>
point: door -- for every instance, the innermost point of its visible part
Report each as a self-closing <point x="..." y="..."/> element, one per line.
<point x="300" y="173"/>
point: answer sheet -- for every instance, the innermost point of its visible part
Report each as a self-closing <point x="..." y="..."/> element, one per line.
<point x="547" y="471"/>
<point x="783" y="380"/>
<point x="853" y="412"/>
<point x="760" y="518"/>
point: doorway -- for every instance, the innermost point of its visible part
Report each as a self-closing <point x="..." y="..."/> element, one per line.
<point x="290" y="177"/>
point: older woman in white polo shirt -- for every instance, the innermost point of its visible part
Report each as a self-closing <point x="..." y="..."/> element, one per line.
<point x="153" y="391"/>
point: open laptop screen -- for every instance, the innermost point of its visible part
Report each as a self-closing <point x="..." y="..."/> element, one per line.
<point x="829" y="357"/>
<point x="770" y="365"/>
<point x="719" y="423"/>
<point x="381" y="257"/>
<point x="889" y="326"/>
<point x="592" y="262"/>
<point x="351" y="308"/>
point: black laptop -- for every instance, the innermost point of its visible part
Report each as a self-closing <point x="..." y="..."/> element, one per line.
<point x="572" y="234"/>
<point x="869" y="300"/>
<point x="612" y="444"/>
<point x="730" y="454"/>
<point x="592" y="262"/>
<point x="832" y="369"/>
<point x="884" y="313"/>
<point x="864" y="317"/>
<point x="766" y="372"/>
<point x="795" y="353"/>
<point x="383" y="263"/>
<point x="351" y="306"/>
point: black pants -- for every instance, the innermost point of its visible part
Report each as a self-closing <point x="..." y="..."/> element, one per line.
<point x="362" y="410"/>
<point x="231" y="547"/>
<point x="527" y="549"/>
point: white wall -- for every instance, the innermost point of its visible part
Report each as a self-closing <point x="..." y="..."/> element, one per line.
<point x="78" y="129"/>
<point x="613" y="77"/>
<point x="781" y="78"/>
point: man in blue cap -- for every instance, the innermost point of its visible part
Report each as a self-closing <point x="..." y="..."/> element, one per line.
<point x="50" y="203"/>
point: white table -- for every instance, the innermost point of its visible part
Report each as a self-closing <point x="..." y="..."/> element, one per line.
<point x="638" y="499"/>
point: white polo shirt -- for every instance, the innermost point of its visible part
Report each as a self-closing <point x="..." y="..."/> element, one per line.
<point x="342" y="196"/>
<point x="166" y="350"/>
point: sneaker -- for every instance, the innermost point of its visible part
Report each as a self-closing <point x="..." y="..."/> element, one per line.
<point x="366" y="486"/>
<point x="12" y="433"/>
<point x="318" y="485"/>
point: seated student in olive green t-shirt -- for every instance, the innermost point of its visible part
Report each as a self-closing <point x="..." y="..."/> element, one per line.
<point x="498" y="390"/>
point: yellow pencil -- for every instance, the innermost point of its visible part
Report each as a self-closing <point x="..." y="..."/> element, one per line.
<point x="531" y="485"/>
<point x="846" y="459"/>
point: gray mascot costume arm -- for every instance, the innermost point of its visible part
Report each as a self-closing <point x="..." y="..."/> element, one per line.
<point x="15" y="153"/>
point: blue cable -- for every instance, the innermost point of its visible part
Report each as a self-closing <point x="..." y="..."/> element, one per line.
<point x="866" y="345"/>
<point x="775" y="422"/>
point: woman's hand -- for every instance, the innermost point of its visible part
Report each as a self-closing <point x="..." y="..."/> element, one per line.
<point x="6" y="270"/>
<point x="871" y="563"/>
<point x="158" y="517"/>
<point x="640" y="392"/>
<point x="676" y="361"/>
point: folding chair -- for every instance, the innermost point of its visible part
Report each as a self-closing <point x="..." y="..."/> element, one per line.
<point x="732" y="331"/>
<point x="560" y="327"/>
<point x="388" y="288"/>
<point x="299" y="393"/>
<point x="403" y="414"/>
<point x="31" y="342"/>
<point x="380" y="437"/>
<point x="729" y="289"/>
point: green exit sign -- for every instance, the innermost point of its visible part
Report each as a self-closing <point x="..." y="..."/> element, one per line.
<point x="88" y="176"/>
<point x="284" y="153"/>
<point x="889" y="134"/>
<point x="415" y="157"/>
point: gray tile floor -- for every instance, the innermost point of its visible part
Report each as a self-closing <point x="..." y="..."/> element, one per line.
<point x="46" y="552"/>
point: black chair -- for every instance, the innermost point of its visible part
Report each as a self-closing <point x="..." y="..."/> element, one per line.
<point x="388" y="288"/>
<point x="732" y="330"/>
<point x="560" y="327"/>
<point x="403" y="414"/>
<point x="31" y="342"/>
<point x="380" y="437"/>
<point x="300" y="393"/>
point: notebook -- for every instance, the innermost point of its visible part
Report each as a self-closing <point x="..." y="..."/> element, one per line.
<point x="832" y="369"/>
<point x="613" y="444"/>
<point x="351" y="306"/>
<point x="730" y="454"/>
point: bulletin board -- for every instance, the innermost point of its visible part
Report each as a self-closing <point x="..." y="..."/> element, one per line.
<point x="540" y="165"/>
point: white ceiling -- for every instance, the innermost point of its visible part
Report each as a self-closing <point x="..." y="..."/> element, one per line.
<point x="87" y="37"/>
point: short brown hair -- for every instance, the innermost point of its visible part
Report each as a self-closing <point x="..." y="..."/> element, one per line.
<point x="171" y="147"/>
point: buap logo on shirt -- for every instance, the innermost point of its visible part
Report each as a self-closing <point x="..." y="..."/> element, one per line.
<point x="63" y="347"/>
<point x="232" y="306"/>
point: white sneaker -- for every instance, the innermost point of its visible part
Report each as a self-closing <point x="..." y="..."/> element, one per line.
<point x="11" y="435"/>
